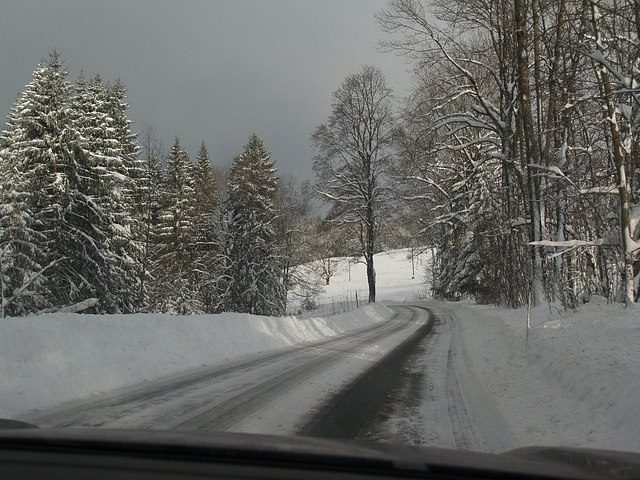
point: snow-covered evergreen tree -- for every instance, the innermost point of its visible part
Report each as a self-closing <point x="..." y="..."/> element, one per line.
<point x="147" y="195"/>
<point x="206" y="229"/>
<point x="39" y="157"/>
<point x="82" y="238"/>
<point x="99" y="114"/>
<point x="468" y="263"/>
<point x="205" y="185"/>
<point x="176" y="290"/>
<point x="22" y="254"/>
<point x="67" y="160"/>
<point x="253" y="274"/>
<point x="125" y="224"/>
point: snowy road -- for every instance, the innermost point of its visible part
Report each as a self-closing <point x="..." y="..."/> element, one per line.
<point x="399" y="379"/>
<point x="446" y="404"/>
<point x="267" y="393"/>
<point x="356" y="411"/>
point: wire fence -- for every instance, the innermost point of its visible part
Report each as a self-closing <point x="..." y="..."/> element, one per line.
<point x="347" y="302"/>
<point x="344" y="303"/>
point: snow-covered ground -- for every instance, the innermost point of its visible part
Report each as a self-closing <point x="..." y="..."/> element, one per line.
<point x="576" y="382"/>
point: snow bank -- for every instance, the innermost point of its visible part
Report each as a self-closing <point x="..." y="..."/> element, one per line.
<point x="576" y="381"/>
<point x="48" y="359"/>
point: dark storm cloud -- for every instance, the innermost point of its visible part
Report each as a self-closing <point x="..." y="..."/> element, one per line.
<point x="206" y="70"/>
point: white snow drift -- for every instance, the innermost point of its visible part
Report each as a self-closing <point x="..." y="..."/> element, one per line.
<point x="51" y="358"/>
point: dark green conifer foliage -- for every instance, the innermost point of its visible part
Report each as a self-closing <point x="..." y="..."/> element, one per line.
<point x="176" y="289"/>
<point x="253" y="270"/>
<point x="206" y="227"/>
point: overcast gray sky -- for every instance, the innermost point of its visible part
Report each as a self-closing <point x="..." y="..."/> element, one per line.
<point x="210" y="70"/>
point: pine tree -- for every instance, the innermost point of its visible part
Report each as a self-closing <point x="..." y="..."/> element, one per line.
<point x="67" y="163"/>
<point x="21" y="250"/>
<point x="253" y="273"/>
<point x="125" y="224"/>
<point x="468" y="251"/>
<point x="205" y="186"/>
<point x="65" y="212"/>
<point x="39" y="157"/>
<point x="82" y="237"/>
<point x="147" y="197"/>
<point x="175" y="283"/>
<point x="110" y="150"/>
<point x="207" y="238"/>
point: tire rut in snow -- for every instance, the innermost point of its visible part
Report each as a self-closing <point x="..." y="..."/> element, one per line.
<point x="354" y="411"/>
<point x="455" y="411"/>
<point x="476" y="421"/>
<point x="84" y="412"/>
<point x="463" y="428"/>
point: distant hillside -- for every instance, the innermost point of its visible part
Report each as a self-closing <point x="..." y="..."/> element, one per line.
<point x="398" y="279"/>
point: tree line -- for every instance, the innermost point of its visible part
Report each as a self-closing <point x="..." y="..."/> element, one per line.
<point x="518" y="157"/>
<point x="514" y="158"/>
<point x="86" y="212"/>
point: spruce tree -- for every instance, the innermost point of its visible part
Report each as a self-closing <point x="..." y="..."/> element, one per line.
<point x="67" y="163"/>
<point x="38" y="177"/>
<point x="147" y="199"/>
<point x="175" y="290"/>
<point x="253" y="272"/>
<point x="125" y="223"/>
<point x="207" y="238"/>
<point x="81" y="238"/>
<point x="109" y="154"/>
<point x="205" y="186"/>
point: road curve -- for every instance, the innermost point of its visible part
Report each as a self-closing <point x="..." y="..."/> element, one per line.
<point x="442" y="401"/>
<point x="354" y="411"/>
<point x="220" y="397"/>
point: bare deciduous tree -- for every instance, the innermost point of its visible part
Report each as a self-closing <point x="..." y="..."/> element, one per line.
<point x="355" y="148"/>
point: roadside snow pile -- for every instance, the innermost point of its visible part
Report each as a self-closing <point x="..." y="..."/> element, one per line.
<point x="51" y="358"/>
<point x="577" y="380"/>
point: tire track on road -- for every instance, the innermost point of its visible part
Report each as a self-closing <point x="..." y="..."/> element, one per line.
<point x="352" y="413"/>
<point x="482" y="426"/>
<point x="454" y="410"/>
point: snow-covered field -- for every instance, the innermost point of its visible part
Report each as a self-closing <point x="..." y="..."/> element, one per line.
<point x="576" y="382"/>
<point x="399" y="277"/>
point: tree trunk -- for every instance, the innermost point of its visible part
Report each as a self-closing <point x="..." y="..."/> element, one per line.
<point x="371" y="279"/>
<point x="624" y="193"/>
<point x="531" y="147"/>
<point x="370" y="251"/>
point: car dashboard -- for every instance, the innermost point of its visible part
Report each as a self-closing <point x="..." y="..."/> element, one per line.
<point x="78" y="453"/>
